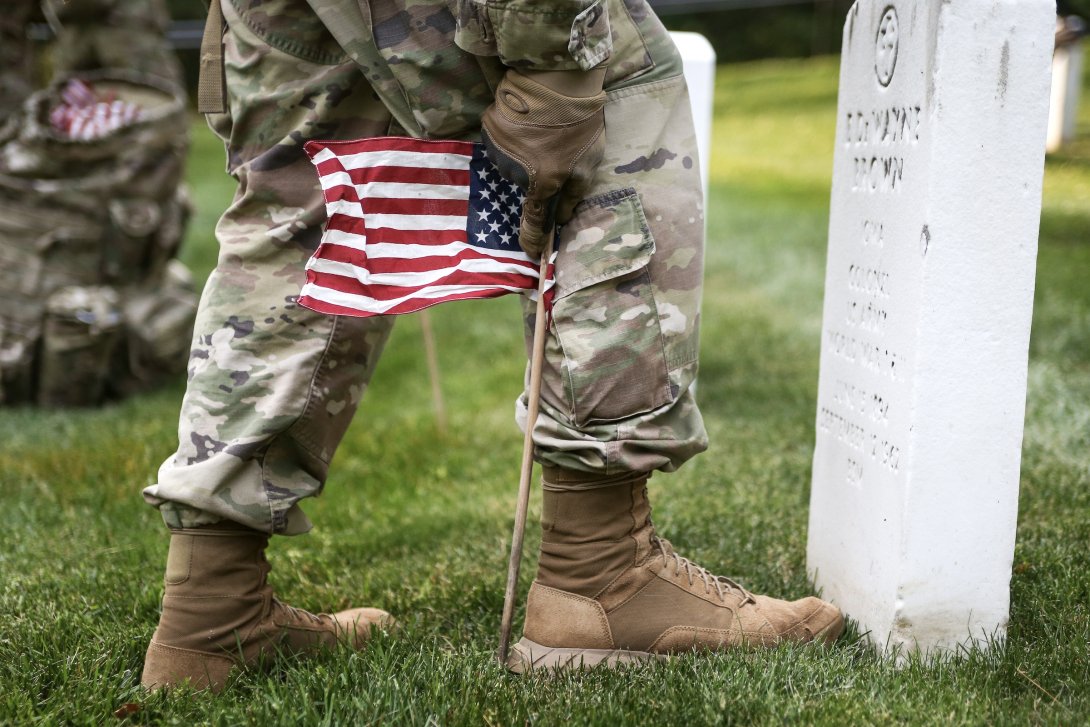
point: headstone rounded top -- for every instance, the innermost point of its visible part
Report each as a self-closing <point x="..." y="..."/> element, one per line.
<point x="886" y="46"/>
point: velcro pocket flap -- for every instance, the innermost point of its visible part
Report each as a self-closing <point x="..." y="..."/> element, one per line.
<point x="609" y="238"/>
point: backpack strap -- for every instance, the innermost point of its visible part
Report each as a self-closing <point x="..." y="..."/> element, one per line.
<point x="212" y="86"/>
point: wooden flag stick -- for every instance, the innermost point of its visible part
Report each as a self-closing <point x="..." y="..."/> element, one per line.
<point x="433" y="372"/>
<point x="534" y="397"/>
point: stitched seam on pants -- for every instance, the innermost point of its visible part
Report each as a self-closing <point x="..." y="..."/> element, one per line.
<point x="565" y="372"/>
<point x="277" y="518"/>
<point x="314" y="381"/>
<point x="276" y="521"/>
<point x="613" y="450"/>
<point x="642" y="88"/>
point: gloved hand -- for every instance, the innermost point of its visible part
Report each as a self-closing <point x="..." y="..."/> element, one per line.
<point x="546" y="133"/>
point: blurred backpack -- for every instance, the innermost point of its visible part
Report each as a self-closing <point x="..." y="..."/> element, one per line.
<point x="92" y="211"/>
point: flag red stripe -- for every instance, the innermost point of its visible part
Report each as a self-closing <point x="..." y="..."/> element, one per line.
<point x="344" y="223"/>
<point x="341" y="192"/>
<point x="355" y="225"/>
<point x="347" y="223"/>
<point x="345" y="284"/>
<point x="409" y="306"/>
<point x="391" y="143"/>
<point x="341" y="254"/>
<point x="397" y="205"/>
<point x="404" y="175"/>
<point x="415" y="237"/>
<point x="383" y="206"/>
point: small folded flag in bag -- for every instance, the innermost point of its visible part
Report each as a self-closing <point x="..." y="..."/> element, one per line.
<point x="84" y="115"/>
<point x="413" y="223"/>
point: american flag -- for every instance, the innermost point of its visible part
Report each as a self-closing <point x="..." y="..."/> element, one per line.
<point x="412" y="223"/>
<point x="84" y="115"/>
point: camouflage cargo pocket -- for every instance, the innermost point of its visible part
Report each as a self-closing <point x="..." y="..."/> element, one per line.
<point x="535" y="34"/>
<point x="82" y="327"/>
<point x="606" y="356"/>
<point x="587" y="42"/>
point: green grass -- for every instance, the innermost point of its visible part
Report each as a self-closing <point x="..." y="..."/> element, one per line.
<point x="419" y="522"/>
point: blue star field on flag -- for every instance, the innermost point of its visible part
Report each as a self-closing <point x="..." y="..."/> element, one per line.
<point x="495" y="206"/>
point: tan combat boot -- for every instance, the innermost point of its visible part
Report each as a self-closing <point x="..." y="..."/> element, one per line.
<point x="609" y="591"/>
<point x="219" y="613"/>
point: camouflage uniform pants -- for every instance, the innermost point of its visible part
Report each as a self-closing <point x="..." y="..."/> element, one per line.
<point x="273" y="386"/>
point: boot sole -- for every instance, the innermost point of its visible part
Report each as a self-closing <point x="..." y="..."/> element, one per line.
<point x="830" y="633"/>
<point x="528" y="656"/>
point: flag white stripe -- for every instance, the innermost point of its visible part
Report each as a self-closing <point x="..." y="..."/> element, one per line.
<point x="371" y="305"/>
<point x="400" y="249"/>
<point x="345" y="239"/>
<point x="408" y="250"/>
<point x="411" y="223"/>
<point x="416" y="279"/>
<point x="343" y="207"/>
<point x="395" y="158"/>
<point x="398" y="190"/>
<point x="412" y="190"/>
<point x="336" y="179"/>
<point x="323" y="156"/>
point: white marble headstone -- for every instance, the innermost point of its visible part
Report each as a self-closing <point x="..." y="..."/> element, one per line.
<point x="928" y="298"/>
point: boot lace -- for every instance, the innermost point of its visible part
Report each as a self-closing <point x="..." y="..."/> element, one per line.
<point x="721" y="584"/>
<point x="273" y="603"/>
<point x="297" y="614"/>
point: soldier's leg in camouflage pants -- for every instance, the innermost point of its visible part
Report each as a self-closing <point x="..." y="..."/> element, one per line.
<point x="622" y="354"/>
<point x="621" y="357"/>
<point x="272" y="386"/>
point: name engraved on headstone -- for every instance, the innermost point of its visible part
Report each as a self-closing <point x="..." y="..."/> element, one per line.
<point x="874" y="136"/>
<point x="876" y="140"/>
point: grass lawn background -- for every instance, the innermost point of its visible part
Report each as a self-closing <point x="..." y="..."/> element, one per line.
<point x="419" y="523"/>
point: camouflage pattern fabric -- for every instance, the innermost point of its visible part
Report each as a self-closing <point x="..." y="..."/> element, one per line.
<point x="16" y="55"/>
<point x="272" y="386"/>
<point x="78" y="218"/>
<point x="114" y="34"/>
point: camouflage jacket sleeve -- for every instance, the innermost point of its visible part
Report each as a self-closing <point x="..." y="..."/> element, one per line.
<point x="547" y="35"/>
